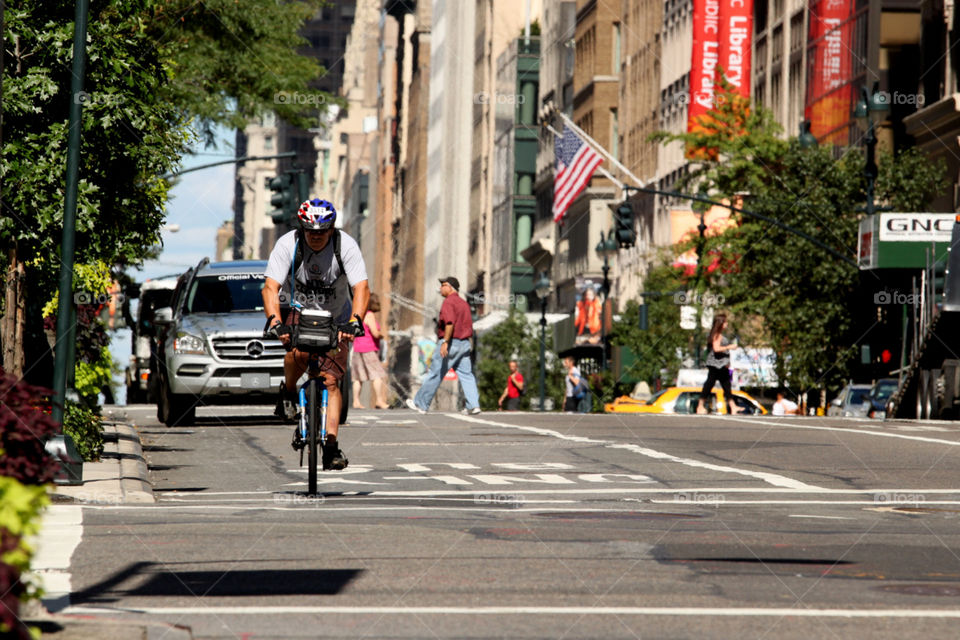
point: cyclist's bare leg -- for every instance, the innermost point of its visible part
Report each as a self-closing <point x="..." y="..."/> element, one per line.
<point x="293" y="368"/>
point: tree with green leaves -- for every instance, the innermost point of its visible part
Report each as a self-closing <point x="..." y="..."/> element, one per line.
<point x="783" y="291"/>
<point x="158" y="72"/>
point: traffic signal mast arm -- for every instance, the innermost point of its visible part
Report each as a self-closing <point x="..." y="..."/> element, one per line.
<point x="751" y="214"/>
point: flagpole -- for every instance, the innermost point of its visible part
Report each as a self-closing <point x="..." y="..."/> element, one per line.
<point x="599" y="168"/>
<point x="597" y="147"/>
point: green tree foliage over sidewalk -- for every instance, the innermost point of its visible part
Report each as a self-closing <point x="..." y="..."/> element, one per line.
<point x="783" y="291"/>
<point x="155" y="70"/>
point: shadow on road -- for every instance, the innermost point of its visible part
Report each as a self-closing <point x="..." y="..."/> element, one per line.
<point x="152" y="579"/>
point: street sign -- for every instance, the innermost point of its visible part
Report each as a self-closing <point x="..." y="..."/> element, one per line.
<point x="902" y="240"/>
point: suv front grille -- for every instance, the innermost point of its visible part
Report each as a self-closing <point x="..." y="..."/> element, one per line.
<point x="240" y="348"/>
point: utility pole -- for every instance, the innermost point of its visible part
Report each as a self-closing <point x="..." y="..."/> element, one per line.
<point x="61" y="445"/>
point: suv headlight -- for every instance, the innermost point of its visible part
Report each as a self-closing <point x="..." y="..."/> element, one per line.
<point x="186" y="343"/>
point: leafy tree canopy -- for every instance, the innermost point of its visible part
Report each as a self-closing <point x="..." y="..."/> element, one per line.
<point x="782" y="290"/>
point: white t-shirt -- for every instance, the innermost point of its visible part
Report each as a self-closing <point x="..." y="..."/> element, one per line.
<point x="321" y="266"/>
<point x="784" y="406"/>
<point x="576" y="373"/>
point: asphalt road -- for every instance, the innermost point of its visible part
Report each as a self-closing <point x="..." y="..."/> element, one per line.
<point x="537" y="526"/>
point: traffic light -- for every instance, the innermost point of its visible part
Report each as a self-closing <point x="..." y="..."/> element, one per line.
<point x="623" y="218"/>
<point x="939" y="279"/>
<point x="284" y="199"/>
<point x="644" y="320"/>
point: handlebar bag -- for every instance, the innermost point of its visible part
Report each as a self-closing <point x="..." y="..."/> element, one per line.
<point x="316" y="331"/>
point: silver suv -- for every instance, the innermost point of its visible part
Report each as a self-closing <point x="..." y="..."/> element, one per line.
<point x="212" y="347"/>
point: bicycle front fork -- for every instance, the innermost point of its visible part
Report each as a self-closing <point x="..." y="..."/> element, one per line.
<point x="302" y="400"/>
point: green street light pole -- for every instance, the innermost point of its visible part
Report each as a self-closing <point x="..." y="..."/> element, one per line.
<point x="871" y="109"/>
<point x="542" y="289"/>
<point x="62" y="445"/>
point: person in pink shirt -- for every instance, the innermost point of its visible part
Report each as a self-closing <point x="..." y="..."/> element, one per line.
<point x="366" y="359"/>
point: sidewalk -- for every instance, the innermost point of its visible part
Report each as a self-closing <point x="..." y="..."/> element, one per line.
<point x="119" y="478"/>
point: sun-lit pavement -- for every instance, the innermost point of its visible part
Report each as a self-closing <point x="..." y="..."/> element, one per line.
<point x="526" y="525"/>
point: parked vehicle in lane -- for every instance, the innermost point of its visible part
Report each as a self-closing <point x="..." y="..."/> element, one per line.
<point x="852" y="402"/>
<point x="154" y="294"/>
<point x="684" y="400"/>
<point x="879" y="396"/>
<point x="212" y="348"/>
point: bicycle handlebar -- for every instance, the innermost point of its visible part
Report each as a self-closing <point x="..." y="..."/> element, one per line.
<point x="352" y="328"/>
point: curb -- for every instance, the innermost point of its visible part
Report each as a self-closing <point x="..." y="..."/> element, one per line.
<point x="120" y="477"/>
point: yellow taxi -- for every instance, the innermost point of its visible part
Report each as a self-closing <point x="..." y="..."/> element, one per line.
<point x="684" y="400"/>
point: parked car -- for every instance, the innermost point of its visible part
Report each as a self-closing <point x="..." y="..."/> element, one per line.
<point x="154" y="294"/>
<point x="879" y="396"/>
<point x="684" y="400"/>
<point x="852" y="402"/>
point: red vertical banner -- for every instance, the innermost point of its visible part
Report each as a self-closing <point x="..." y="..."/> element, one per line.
<point x="706" y="57"/>
<point x="736" y="29"/>
<point x="830" y="59"/>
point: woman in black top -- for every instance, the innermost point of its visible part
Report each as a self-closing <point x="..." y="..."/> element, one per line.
<point x="718" y="364"/>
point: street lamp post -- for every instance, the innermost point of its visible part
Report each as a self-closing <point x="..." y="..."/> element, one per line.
<point x="871" y="109"/>
<point x="542" y="288"/>
<point x="606" y="248"/>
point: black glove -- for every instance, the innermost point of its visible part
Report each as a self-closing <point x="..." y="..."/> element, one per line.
<point x="278" y="330"/>
<point x="355" y="327"/>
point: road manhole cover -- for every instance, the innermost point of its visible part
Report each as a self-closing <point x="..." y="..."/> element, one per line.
<point x="922" y="589"/>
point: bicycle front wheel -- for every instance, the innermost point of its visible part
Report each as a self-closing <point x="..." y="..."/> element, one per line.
<point x="313" y="437"/>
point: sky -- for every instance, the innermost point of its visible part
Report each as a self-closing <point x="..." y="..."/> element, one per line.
<point x="200" y="202"/>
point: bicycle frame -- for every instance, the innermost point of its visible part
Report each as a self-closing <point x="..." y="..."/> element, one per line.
<point x="313" y="427"/>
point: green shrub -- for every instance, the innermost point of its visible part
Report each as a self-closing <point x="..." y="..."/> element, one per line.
<point x="85" y="427"/>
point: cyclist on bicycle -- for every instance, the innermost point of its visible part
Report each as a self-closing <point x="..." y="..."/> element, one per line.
<point x="329" y="267"/>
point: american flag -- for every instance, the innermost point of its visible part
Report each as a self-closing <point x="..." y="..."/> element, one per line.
<point x="576" y="162"/>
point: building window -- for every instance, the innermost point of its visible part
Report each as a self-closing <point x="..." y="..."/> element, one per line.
<point x="614" y="134"/>
<point x="616" y="48"/>
<point x="777" y="45"/>
<point x="268" y="143"/>
<point x="796" y="32"/>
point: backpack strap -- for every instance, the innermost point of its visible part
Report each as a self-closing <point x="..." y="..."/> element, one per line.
<point x="336" y="251"/>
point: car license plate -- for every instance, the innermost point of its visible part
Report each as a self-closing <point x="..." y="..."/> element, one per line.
<point x="255" y="380"/>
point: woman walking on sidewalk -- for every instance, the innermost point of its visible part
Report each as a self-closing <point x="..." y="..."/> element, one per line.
<point x="366" y="359"/>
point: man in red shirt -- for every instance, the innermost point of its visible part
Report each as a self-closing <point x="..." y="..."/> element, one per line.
<point x="514" y="388"/>
<point x="454" y="330"/>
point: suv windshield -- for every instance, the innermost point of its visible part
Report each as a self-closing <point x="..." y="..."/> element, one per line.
<point x="225" y="294"/>
<point x="858" y="397"/>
